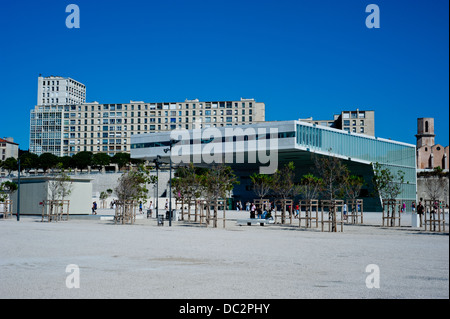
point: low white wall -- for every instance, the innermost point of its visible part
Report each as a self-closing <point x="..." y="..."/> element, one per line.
<point x="34" y="190"/>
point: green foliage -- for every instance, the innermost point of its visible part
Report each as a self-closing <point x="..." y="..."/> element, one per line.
<point x="100" y="160"/>
<point x="83" y="159"/>
<point x="353" y="185"/>
<point x="9" y="164"/>
<point x="7" y="188"/>
<point x="218" y="181"/>
<point x="28" y="161"/>
<point x="261" y="184"/>
<point x="121" y="159"/>
<point x="333" y="172"/>
<point x="386" y="183"/>
<point x="283" y="181"/>
<point x="47" y="161"/>
<point x="310" y="186"/>
<point x="132" y="185"/>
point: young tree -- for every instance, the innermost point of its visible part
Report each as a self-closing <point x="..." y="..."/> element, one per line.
<point x="6" y="189"/>
<point x="188" y="185"/>
<point x="310" y="186"/>
<point x="283" y="185"/>
<point x="353" y="185"/>
<point x="436" y="184"/>
<point x="58" y="189"/>
<point x="132" y="185"/>
<point x="261" y="184"/>
<point x="103" y="196"/>
<point x="386" y="183"/>
<point x="333" y="171"/>
<point x="61" y="186"/>
<point x="217" y="182"/>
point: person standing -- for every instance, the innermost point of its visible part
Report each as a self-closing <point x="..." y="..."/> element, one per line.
<point x="150" y="210"/>
<point x="420" y="210"/>
<point x="252" y="211"/>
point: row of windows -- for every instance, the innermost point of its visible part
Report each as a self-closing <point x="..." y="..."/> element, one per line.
<point x="67" y="82"/>
<point x="159" y="113"/>
<point x="223" y="139"/>
<point x="158" y="106"/>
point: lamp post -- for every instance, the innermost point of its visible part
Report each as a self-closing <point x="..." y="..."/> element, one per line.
<point x="171" y="143"/>
<point x="157" y="164"/>
<point x="18" y="191"/>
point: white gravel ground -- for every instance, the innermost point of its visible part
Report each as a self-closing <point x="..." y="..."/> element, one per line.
<point x="191" y="261"/>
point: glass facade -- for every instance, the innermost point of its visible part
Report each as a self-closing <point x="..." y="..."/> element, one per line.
<point x="392" y="155"/>
<point x="46" y="130"/>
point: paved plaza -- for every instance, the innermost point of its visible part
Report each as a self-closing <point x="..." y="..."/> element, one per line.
<point x="190" y="261"/>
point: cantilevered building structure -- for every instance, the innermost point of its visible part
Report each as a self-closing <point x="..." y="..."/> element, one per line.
<point x="264" y="147"/>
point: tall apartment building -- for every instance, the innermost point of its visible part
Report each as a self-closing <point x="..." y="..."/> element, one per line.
<point x="65" y="129"/>
<point x="56" y="90"/>
<point x="357" y="121"/>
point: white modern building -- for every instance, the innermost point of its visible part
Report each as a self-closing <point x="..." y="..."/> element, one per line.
<point x="265" y="147"/>
<point x="57" y="90"/>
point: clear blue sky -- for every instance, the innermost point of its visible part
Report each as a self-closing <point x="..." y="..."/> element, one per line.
<point x="302" y="58"/>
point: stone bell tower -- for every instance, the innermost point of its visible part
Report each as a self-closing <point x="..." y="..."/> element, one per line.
<point x="425" y="132"/>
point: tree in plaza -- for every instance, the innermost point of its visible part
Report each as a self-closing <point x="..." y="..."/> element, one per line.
<point x="333" y="172"/>
<point x="386" y="183"/>
<point x="132" y="185"/>
<point x="61" y="185"/>
<point x="310" y="186"/>
<point x="436" y="184"/>
<point x="103" y="196"/>
<point x="187" y="185"/>
<point x="261" y="184"/>
<point x="353" y="185"/>
<point x="217" y="183"/>
<point x="6" y="189"/>
<point x="283" y="185"/>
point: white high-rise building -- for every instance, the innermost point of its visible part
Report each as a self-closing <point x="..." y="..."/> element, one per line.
<point x="56" y="90"/>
